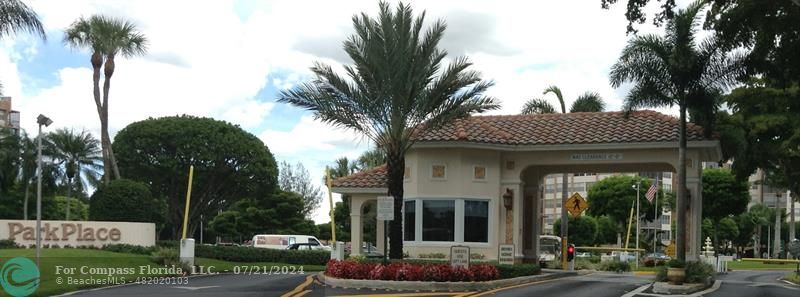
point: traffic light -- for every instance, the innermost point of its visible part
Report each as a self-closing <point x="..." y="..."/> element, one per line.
<point x="570" y="252"/>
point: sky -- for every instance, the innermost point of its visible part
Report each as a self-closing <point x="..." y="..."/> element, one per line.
<point x="230" y="59"/>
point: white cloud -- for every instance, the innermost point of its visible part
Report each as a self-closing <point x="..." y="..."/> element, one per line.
<point x="205" y="60"/>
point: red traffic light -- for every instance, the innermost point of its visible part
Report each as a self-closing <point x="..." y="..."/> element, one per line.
<point x="570" y="252"/>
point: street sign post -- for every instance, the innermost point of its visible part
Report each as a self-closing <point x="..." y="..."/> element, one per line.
<point x="459" y="256"/>
<point x="505" y="255"/>
<point x="386" y="214"/>
<point x="576" y="205"/>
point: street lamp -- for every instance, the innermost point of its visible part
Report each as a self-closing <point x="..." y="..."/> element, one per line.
<point x="41" y="120"/>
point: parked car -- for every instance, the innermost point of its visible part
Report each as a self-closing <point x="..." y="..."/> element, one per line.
<point x="583" y="255"/>
<point x="656" y="257"/>
<point x="274" y="241"/>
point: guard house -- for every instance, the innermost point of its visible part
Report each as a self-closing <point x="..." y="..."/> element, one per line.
<point x="478" y="181"/>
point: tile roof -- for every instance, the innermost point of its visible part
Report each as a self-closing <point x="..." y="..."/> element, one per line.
<point x="544" y="129"/>
<point x="370" y="178"/>
<point x="558" y="128"/>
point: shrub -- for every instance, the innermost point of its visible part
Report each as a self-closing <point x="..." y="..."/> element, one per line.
<point x="432" y="256"/>
<point x="698" y="272"/>
<point x="649" y="263"/>
<point x="169" y="243"/>
<point x="402" y="271"/>
<point x="8" y="244"/>
<point x="128" y="248"/>
<point x="477" y="256"/>
<point x="357" y="258"/>
<point x="251" y="254"/>
<point x="584" y="264"/>
<point x="616" y="266"/>
<point x="675" y="263"/>
<point x="661" y="274"/>
<point x="127" y="201"/>
<point x="166" y="256"/>
<point x="511" y="271"/>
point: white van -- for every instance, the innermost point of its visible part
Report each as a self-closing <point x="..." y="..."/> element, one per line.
<point x="282" y="242"/>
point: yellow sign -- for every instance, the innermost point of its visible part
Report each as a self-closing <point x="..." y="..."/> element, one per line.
<point x="576" y="205"/>
<point x="670" y="250"/>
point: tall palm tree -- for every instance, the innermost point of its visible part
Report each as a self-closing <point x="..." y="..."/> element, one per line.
<point x="397" y="84"/>
<point x="15" y="16"/>
<point x="28" y="155"/>
<point x="77" y="155"/>
<point x="587" y="102"/>
<point x="371" y="158"/>
<point x="675" y="69"/>
<point x="106" y="37"/>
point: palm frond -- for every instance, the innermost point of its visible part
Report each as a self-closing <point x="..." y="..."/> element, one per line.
<point x="588" y="102"/>
<point x="106" y="35"/>
<point x="557" y="91"/>
<point x="537" y="106"/>
<point x="15" y="17"/>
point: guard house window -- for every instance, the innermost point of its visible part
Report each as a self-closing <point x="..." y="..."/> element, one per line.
<point x="438" y="220"/>
<point x="479" y="173"/>
<point x="409" y="220"/>
<point x="438" y="171"/>
<point x="476" y="221"/>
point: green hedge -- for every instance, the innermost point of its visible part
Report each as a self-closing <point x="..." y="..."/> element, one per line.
<point x="511" y="271"/>
<point x="250" y="254"/>
<point x="8" y="244"/>
<point x="128" y="248"/>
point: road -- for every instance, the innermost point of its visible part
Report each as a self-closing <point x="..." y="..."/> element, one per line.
<point x="739" y="283"/>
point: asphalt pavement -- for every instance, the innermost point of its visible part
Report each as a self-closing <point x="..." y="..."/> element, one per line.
<point x="599" y="284"/>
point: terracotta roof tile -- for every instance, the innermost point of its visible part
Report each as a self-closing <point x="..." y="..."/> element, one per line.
<point x="370" y="178"/>
<point x="570" y="128"/>
<point x="545" y="129"/>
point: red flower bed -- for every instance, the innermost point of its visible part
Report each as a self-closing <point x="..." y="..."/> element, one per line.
<point x="410" y="272"/>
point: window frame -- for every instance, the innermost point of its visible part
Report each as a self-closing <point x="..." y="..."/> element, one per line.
<point x="459" y="222"/>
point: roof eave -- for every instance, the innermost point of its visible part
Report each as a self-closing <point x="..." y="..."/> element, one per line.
<point x="361" y="190"/>
<point x="562" y="147"/>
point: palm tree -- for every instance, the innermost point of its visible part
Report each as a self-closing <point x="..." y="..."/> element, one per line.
<point x="397" y="84"/>
<point x="28" y="154"/>
<point x="15" y="16"/>
<point x="106" y="37"/>
<point x="77" y="155"/>
<point x="588" y="102"/>
<point x="674" y="69"/>
<point x="371" y="158"/>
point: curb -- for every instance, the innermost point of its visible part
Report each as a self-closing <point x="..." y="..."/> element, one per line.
<point x="129" y="284"/>
<point x="438" y="286"/>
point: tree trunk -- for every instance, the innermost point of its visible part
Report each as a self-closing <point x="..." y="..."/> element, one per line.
<point x="716" y="238"/>
<point x="109" y="71"/>
<point x="97" y="63"/>
<point x="395" y="167"/>
<point x="776" y="243"/>
<point x="25" y="207"/>
<point x="757" y="247"/>
<point x="680" y="232"/>
<point x="69" y="192"/>
<point x="793" y="197"/>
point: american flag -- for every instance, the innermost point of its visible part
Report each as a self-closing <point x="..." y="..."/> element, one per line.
<point x="651" y="193"/>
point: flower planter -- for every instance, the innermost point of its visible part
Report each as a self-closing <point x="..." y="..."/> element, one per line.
<point x="676" y="276"/>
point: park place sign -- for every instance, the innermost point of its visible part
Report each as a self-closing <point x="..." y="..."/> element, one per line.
<point x="78" y="233"/>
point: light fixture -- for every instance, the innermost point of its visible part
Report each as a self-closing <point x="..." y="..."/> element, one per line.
<point x="43" y="120"/>
<point x="508" y="199"/>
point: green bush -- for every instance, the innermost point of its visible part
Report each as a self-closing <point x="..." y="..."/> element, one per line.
<point x="661" y="273"/>
<point x="169" y="243"/>
<point x="128" y="248"/>
<point x="166" y="256"/>
<point x="127" y="201"/>
<point x="251" y="254"/>
<point x="675" y="263"/>
<point x="616" y="266"/>
<point x="698" y="272"/>
<point x="585" y="264"/>
<point x="8" y="244"/>
<point x="432" y="256"/>
<point x="511" y="271"/>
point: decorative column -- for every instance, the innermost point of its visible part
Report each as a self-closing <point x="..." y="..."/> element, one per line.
<point x="355" y="225"/>
<point x="380" y="237"/>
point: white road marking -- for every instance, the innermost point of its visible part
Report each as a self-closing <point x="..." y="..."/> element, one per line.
<point x="195" y="288"/>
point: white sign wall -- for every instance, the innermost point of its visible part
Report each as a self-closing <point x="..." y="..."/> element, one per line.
<point x="79" y="233"/>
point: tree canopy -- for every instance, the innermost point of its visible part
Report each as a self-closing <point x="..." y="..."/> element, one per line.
<point x="230" y="164"/>
<point x="614" y="196"/>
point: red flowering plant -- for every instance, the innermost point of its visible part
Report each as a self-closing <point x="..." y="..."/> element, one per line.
<point x="410" y="272"/>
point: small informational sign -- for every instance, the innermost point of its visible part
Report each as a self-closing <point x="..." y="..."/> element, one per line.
<point x="385" y="208"/>
<point x="671" y="250"/>
<point x="794" y="248"/>
<point x="459" y="256"/>
<point x="505" y="255"/>
<point x="596" y="157"/>
<point x="576" y="204"/>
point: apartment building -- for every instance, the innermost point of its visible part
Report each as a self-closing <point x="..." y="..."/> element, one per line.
<point x="582" y="182"/>
<point x="9" y="118"/>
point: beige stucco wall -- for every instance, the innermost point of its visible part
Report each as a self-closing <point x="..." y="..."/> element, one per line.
<point x="522" y="172"/>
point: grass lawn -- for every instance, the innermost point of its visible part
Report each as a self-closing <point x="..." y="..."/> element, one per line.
<point x="793" y="277"/>
<point x="750" y="265"/>
<point x="93" y="265"/>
